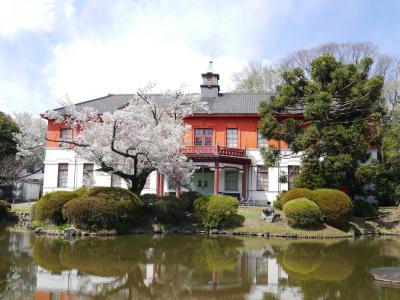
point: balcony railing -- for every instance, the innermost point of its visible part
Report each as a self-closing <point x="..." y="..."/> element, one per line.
<point x="213" y="150"/>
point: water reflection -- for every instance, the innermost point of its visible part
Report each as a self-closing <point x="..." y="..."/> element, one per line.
<point x="192" y="267"/>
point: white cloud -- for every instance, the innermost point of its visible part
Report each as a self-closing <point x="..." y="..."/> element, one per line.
<point x="168" y="42"/>
<point x="31" y="15"/>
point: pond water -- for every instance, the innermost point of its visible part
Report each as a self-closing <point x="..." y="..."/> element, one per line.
<point x="192" y="267"/>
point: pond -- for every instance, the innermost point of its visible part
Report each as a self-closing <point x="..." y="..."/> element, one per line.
<point x="192" y="267"/>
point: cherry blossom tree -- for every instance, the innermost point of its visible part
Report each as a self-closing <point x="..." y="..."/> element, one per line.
<point x="145" y="135"/>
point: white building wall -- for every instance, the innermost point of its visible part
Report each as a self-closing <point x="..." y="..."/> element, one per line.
<point x="55" y="156"/>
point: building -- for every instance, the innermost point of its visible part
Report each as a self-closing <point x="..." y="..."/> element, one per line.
<point x="224" y="143"/>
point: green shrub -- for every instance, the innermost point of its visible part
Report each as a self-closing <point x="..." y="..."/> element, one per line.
<point x="336" y="207"/>
<point x="216" y="211"/>
<point x="200" y="207"/>
<point x="168" y="209"/>
<point x="149" y="201"/>
<point x="49" y="207"/>
<point x="302" y="213"/>
<point x="5" y="208"/>
<point x="364" y="209"/>
<point x="295" y="194"/>
<point x="188" y="198"/>
<point x="32" y="212"/>
<point x="104" y="208"/>
<point x="278" y="202"/>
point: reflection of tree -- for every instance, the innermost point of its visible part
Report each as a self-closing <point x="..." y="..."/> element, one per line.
<point x="46" y="253"/>
<point x="217" y="254"/>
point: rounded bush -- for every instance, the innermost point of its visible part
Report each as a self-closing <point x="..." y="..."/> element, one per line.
<point x="277" y="204"/>
<point x="104" y="208"/>
<point x="46" y="253"/>
<point x="302" y="213"/>
<point x="336" y="207"/>
<point x="302" y="258"/>
<point x="200" y="207"/>
<point x="5" y="208"/>
<point x="49" y="207"/>
<point x="295" y="194"/>
<point x="364" y="209"/>
<point x="216" y="211"/>
<point x="149" y="201"/>
<point x="188" y="198"/>
<point x="168" y="209"/>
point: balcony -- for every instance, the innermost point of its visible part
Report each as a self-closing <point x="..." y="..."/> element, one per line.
<point x="213" y="151"/>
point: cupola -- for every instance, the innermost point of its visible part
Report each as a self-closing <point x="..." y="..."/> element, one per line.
<point x="210" y="86"/>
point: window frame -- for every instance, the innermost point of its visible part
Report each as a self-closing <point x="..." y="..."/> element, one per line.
<point x="236" y="182"/>
<point x="262" y="183"/>
<point x="69" y="136"/>
<point x="205" y="136"/>
<point x="115" y="178"/>
<point x="62" y="182"/>
<point x="259" y="138"/>
<point x="228" y="138"/>
<point x="87" y="172"/>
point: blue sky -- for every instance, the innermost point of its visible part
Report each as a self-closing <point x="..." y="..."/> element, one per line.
<point x="87" y="49"/>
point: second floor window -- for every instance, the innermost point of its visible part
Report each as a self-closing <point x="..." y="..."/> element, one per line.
<point x="232" y="137"/>
<point x="88" y="175"/>
<point x="261" y="141"/>
<point x="262" y="178"/>
<point x="65" y="135"/>
<point x="62" y="180"/>
<point x="203" y="136"/>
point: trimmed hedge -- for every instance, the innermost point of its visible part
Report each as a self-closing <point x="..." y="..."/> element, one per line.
<point x="104" y="208"/>
<point x="188" y="198"/>
<point x="216" y="211"/>
<point x="5" y="208"/>
<point x="49" y="207"/>
<point x="149" y="201"/>
<point x="278" y="201"/>
<point x="168" y="209"/>
<point x="302" y="213"/>
<point x="295" y="194"/>
<point x="336" y="207"/>
<point x="364" y="209"/>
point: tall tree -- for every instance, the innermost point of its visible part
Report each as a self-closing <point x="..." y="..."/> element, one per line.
<point x="26" y="135"/>
<point x="7" y="128"/>
<point x="342" y="106"/>
<point x="143" y="136"/>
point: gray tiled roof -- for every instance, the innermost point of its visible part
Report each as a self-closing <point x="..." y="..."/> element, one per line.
<point x="226" y="103"/>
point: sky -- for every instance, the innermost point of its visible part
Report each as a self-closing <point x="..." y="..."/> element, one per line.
<point x="89" y="48"/>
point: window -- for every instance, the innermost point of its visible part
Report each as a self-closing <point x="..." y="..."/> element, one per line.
<point x="62" y="180"/>
<point x="203" y="136"/>
<point x="262" y="178"/>
<point x="293" y="172"/>
<point x="65" y="135"/>
<point x="115" y="180"/>
<point x="261" y="141"/>
<point x="232" y="137"/>
<point x="231" y="180"/>
<point x="88" y="175"/>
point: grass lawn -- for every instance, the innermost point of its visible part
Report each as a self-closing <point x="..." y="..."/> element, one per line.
<point x="254" y="223"/>
<point x="22" y="207"/>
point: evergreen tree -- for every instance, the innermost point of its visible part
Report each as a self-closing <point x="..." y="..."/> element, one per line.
<point x="341" y="107"/>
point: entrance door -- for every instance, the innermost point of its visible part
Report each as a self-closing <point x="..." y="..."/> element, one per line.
<point x="204" y="181"/>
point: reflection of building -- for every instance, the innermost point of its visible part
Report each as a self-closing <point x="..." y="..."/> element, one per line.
<point x="69" y="284"/>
